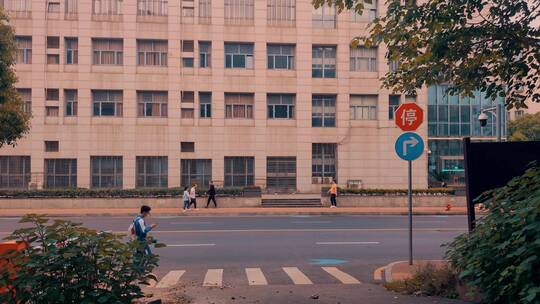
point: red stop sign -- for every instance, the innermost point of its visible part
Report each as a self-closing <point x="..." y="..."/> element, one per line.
<point x="409" y="116"/>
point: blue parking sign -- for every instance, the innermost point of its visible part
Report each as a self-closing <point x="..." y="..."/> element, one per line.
<point x="409" y="146"/>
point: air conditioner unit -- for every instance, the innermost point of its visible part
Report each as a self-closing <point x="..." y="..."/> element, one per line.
<point x="316" y="180"/>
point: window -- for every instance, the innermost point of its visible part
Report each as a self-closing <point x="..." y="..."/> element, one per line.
<point x="187" y="146"/>
<point x="51" y="111"/>
<point x="70" y="97"/>
<point x="152" y="7"/>
<point x="363" y="59"/>
<point x="26" y="98"/>
<point x="152" y="52"/>
<point x="151" y="171"/>
<point x="281" y="173"/>
<point x="24" y="49"/>
<point x="188" y="46"/>
<point x="280" y="106"/>
<point x="324" y="62"/>
<point x="60" y="173"/>
<point x="369" y="14"/>
<point x="323" y="111"/>
<point x="53" y="59"/>
<point x="323" y="162"/>
<point x="188" y="96"/>
<point x="205" y="104"/>
<point x="239" y="11"/>
<point x="363" y="107"/>
<point x="205" y="11"/>
<point x="51" y="146"/>
<point x="239" y="171"/>
<point x="53" y="7"/>
<point x="393" y="104"/>
<point x="72" y="50"/>
<point x="239" y="105"/>
<point x="281" y="12"/>
<point x="188" y="113"/>
<point x="21" y="6"/>
<point x="393" y="65"/>
<point x="14" y="172"/>
<point x="239" y="55"/>
<point x="71" y="7"/>
<point x="197" y="171"/>
<point x="106" y="171"/>
<point x="187" y="62"/>
<point x="53" y="42"/>
<point x="324" y="16"/>
<point x="519" y="114"/>
<point x="107" y="7"/>
<point x="280" y="56"/>
<point x="108" y="51"/>
<point x="188" y="11"/>
<point x="107" y="102"/>
<point x="52" y="94"/>
<point x="152" y="103"/>
<point x="205" y="54"/>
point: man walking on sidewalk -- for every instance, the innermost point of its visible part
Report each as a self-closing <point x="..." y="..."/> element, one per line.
<point x="211" y="195"/>
<point x="333" y="195"/>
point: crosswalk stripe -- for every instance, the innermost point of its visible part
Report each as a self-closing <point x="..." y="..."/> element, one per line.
<point x="343" y="277"/>
<point x="213" y="278"/>
<point x="297" y="276"/>
<point x="255" y="276"/>
<point x="170" y="279"/>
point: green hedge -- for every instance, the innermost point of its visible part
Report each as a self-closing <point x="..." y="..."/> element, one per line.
<point x="396" y="192"/>
<point x="111" y="193"/>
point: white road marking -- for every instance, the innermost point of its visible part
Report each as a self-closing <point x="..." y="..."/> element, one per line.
<point x="343" y="277"/>
<point x="311" y="222"/>
<point x="297" y="276"/>
<point x="191" y="245"/>
<point x="255" y="276"/>
<point x="213" y="278"/>
<point x="170" y="279"/>
<point x="347" y="243"/>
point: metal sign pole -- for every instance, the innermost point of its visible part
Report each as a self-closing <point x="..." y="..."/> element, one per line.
<point x="409" y="192"/>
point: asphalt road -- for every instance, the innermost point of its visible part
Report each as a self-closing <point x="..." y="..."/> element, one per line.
<point x="356" y="245"/>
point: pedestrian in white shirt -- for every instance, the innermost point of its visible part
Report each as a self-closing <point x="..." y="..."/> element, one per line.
<point x="193" y="196"/>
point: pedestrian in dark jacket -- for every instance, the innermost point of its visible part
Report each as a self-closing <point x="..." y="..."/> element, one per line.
<point x="211" y="195"/>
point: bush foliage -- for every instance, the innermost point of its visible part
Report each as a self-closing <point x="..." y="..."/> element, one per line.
<point x="111" y="193"/>
<point x="429" y="280"/>
<point x="501" y="256"/>
<point x="396" y="192"/>
<point x="67" y="263"/>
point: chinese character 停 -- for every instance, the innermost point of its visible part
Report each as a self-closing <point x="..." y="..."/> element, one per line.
<point x="408" y="117"/>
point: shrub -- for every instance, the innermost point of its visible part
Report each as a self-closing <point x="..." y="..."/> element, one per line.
<point x="395" y="192"/>
<point x="428" y="280"/>
<point x="110" y="193"/>
<point x="501" y="256"/>
<point x="67" y="263"/>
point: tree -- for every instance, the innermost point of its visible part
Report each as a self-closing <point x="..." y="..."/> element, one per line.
<point x="14" y="123"/>
<point x="486" y="45"/>
<point x="525" y="128"/>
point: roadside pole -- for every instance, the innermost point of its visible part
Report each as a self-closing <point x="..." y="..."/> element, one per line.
<point x="409" y="146"/>
<point x="410" y="214"/>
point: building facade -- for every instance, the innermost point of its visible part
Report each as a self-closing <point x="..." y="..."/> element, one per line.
<point x="157" y="93"/>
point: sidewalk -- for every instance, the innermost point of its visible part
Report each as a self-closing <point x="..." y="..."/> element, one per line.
<point x="239" y="211"/>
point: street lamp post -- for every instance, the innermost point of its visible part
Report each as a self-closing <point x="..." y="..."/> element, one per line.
<point x="495" y="111"/>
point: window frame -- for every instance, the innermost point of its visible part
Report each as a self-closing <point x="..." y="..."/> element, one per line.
<point x="231" y="175"/>
<point x="324" y="115"/>
<point x="117" y="105"/>
<point x="116" y="176"/>
<point x="290" y="107"/>
<point x="290" y="58"/>
<point x="142" y="174"/>
<point x="236" y="54"/>
<point x="328" y="64"/>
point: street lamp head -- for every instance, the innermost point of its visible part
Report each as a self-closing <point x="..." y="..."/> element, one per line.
<point x="482" y="118"/>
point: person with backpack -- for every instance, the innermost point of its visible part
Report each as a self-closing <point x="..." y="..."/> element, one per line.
<point x="186" y="199"/>
<point x="139" y="232"/>
<point x="193" y="196"/>
<point x="211" y="195"/>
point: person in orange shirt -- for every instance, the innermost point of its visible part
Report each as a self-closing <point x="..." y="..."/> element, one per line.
<point x="333" y="195"/>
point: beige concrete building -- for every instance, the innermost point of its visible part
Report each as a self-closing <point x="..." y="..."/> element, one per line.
<point x="157" y="93"/>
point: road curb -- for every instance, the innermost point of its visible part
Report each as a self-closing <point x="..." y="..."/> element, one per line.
<point x="387" y="272"/>
<point x="112" y="214"/>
